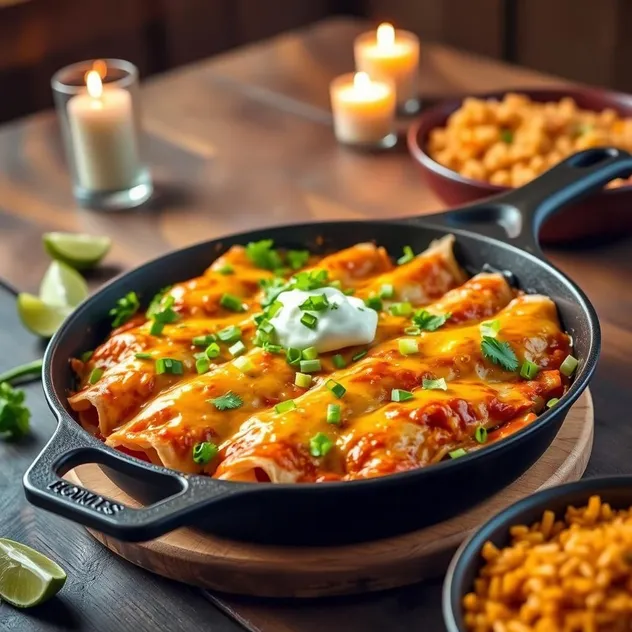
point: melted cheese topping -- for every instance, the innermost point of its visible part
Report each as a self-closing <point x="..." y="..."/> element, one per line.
<point x="162" y="416"/>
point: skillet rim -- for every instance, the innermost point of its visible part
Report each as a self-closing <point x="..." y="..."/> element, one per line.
<point x="587" y="368"/>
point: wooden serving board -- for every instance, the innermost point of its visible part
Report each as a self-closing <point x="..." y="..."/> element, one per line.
<point x="214" y="563"/>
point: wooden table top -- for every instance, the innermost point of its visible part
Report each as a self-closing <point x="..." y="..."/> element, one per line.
<point x="237" y="142"/>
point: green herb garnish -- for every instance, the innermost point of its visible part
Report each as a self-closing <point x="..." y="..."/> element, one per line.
<point x="320" y="444"/>
<point x="499" y="353"/>
<point x="14" y="415"/>
<point x="228" y="401"/>
<point x="124" y="309"/>
<point x="429" y="322"/>
<point x="204" y="452"/>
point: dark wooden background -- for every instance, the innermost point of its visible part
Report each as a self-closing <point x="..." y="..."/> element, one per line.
<point x="583" y="40"/>
<point x="235" y="143"/>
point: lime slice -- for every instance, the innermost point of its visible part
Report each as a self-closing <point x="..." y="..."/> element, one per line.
<point x="62" y="286"/>
<point x="27" y="577"/>
<point x="77" y="250"/>
<point x="38" y="317"/>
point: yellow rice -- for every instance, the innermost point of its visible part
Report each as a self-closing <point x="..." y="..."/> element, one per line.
<point x="573" y="575"/>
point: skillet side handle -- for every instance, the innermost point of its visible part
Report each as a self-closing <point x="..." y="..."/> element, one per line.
<point x="516" y="216"/>
<point x="45" y="488"/>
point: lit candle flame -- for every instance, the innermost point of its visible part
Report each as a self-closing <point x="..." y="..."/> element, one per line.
<point x="361" y="81"/>
<point x="100" y="66"/>
<point x="94" y="84"/>
<point x="385" y="35"/>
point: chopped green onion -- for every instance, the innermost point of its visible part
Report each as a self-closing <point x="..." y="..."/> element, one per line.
<point x="506" y="135"/>
<point x="401" y="309"/>
<point x="226" y="269"/>
<point x="339" y="361"/>
<point x="310" y="353"/>
<point x="202" y="365"/>
<point x="266" y="326"/>
<point x="156" y="328"/>
<point x="387" y="291"/>
<point x="310" y="366"/>
<point x="303" y="380"/>
<point x="455" y="454"/>
<point x="569" y="365"/>
<point x="163" y="313"/>
<point x="273" y="310"/>
<point x="552" y="402"/>
<point x="239" y="348"/>
<point x="271" y="348"/>
<point x="293" y="355"/>
<point x="490" y="328"/>
<point x="334" y="415"/>
<point x="313" y="280"/>
<point x="143" y="355"/>
<point x="412" y="331"/>
<point x="259" y="318"/>
<point x="435" y="385"/>
<point x="232" y="303"/>
<point x="400" y="395"/>
<point x="407" y="257"/>
<point x="529" y="370"/>
<point x="349" y="292"/>
<point x="204" y="341"/>
<point x="316" y="303"/>
<point x="309" y="320"/>
<point x="204" y="452"/>
<point x="95" y="375"/>
<point x="320" y="444"/>
<point x="229" y="334"/>
<point x="374" y="302"/>
<point x="280" y="272"/>
<point x="359" y="355"/>
<point x="284" y="407"/>
<point x="244" y="364"/>
<point x="337" y="389"/>
<point x="212" y="351"/>
<point x="297" y="258"/>
<point x="481" y="434"/>
<point x="408" y="346"/>
<point x="86" y="355"/>
<point x="169" y="365"/>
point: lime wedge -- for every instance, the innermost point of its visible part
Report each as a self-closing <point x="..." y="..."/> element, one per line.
<point x="40" y="318"/>
<point x="27" y="577"/>
<point x="62" y="286"/>
<point x="77" y="250"/>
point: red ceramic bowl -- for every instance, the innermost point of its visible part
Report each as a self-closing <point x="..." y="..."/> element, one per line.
<point x="606" y="214"/>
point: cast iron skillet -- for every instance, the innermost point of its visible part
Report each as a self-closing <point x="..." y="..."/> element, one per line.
<point x="500" y="232"/>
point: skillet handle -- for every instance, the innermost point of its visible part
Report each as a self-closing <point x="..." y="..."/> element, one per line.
<point x="516" y="216"/>
<point x="68" y="448"/>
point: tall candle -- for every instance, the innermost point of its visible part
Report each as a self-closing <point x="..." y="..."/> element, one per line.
<point x="390" y="54"/>
<point x="364" y="110"/>
<point x="101" y="124"/>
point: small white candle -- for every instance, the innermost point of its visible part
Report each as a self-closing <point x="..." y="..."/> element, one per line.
<point x="364" y="110"/>
<point x="101" y="123"/>
<point x="390" y="54"/>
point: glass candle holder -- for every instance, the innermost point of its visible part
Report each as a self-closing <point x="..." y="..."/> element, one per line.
<point x="98" y="108"/>
<point x="393" y="54"/>
<point x="363" y="111"/>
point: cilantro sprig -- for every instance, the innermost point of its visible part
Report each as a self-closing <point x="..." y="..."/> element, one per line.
<point x="228" y="401"/>
<point x="499" y="353"/>
<point x="14" y="415"/>
<point x="263" y="255"/>
<point x="124" y="309"/>
<point x="430" y="322"/>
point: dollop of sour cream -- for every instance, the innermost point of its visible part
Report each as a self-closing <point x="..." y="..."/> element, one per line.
<point x="346" y="321"/>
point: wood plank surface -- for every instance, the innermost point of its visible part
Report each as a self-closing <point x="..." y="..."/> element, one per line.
<point x="236" y="142"/>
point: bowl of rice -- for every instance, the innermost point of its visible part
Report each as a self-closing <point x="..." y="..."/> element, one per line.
<point x="469" y="149"/>
<point x="557" y="561"/>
